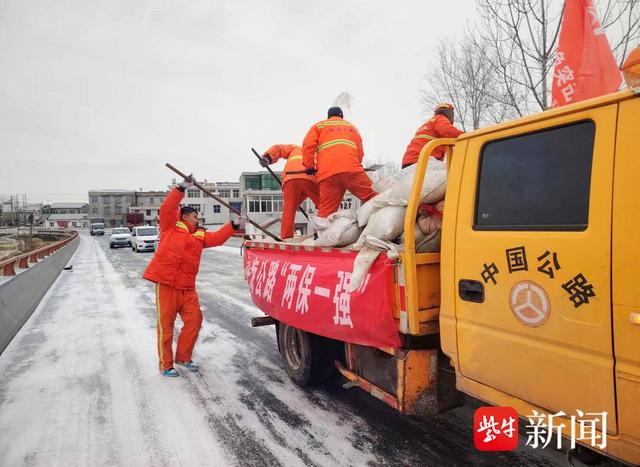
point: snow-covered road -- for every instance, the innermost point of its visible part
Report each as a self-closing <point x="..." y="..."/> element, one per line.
<point x="79" y="386"/>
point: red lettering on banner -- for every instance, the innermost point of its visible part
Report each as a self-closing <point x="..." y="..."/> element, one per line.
<point x="312" y="294"/>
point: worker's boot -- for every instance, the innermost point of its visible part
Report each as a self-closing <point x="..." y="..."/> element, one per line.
<point x="191" y="366"/>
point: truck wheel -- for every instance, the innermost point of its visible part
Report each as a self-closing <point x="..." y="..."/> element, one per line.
<point x="308" y="358"/>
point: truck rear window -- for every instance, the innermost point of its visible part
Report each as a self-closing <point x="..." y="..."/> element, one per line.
<point x="537" y="181"/>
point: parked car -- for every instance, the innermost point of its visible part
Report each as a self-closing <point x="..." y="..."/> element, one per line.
<point x="144" y="238"/>
<point x="120" y="236"/>
<point x="96" y="229"/>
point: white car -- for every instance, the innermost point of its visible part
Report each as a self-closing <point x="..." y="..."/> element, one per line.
<point x="120" y="236"/>
<point x="96" y="229"/>
<point x="144" y="238"/>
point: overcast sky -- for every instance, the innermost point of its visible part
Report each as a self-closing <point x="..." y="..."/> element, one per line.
<point x="100" y="94"/>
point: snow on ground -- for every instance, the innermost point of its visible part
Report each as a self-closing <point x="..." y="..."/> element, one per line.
<point x="80" y="386"/>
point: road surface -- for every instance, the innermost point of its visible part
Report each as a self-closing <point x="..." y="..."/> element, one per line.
<point x="80" y="386"/>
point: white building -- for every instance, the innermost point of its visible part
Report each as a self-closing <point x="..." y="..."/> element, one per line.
<point x="210" y="211"/>
<point x="65" y="215"/>
<point x="67" y="221"/>
<point x="263" y="202"/>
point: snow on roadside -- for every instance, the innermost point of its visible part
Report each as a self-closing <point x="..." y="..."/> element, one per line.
<point x="81" y="384"/>
<point x="89" y="392"/>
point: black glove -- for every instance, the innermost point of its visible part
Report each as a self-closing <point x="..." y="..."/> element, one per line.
<point x="265" y="160"/>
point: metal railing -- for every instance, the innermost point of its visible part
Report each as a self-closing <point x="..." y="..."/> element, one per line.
<point x="8" y="266"/>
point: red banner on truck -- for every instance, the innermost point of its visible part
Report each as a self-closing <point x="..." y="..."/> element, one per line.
<point x="309" y="290"/>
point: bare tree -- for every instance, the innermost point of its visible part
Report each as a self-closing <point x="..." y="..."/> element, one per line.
<point x="466" y="79"/>
<point x="621" y="20"/>
<point x="503" y="67"/>
<point x="521" y="36"/>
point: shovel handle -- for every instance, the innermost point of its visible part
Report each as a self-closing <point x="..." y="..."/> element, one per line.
<point x="225" y="204"/>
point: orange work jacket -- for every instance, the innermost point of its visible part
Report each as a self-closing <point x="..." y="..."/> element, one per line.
<point x="438" y="126"/>
<point x="177" y="260"/>
<point x="293" y="154"/>
<point x="333" y="146"/>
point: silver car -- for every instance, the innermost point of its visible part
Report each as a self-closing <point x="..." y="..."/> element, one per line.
<point x="120" y="236"/>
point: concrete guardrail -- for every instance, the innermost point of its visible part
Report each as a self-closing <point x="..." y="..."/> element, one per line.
<point x="20" y="295"/>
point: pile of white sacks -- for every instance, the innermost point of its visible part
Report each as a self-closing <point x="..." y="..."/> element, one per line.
<point x="378" y="225"/>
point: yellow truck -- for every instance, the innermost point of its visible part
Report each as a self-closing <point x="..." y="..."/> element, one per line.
<point x="534" y="300"/>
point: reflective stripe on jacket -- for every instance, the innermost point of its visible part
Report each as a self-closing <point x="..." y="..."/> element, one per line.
<point x="438" y="126"/>
<point x="333" y="146"/>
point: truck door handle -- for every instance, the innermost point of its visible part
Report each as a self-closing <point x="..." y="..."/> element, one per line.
<point x="471" y="291"/>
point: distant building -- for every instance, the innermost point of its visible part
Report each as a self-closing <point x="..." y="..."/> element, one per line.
<point x="65" y="215"/>
<point x="30" y="213"/>
<point x="148" y="203"/>
<point x="111" y="205"/>
<point x="7" y="214"/>
<point x="257" y="194"/>
<point x="210" y="211"/>
<point x="263" y="202"/>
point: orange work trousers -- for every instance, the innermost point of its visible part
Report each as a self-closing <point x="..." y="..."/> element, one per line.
<point x="332" y="190"/>
<point x="295" y="192"/>
<point x="171" y="302"/>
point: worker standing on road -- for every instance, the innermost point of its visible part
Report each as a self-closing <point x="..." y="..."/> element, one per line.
<point x="333" y="149"/>
<point x="173" y="268"/>
<point x="439" y="126"/>
<point x="295" y="187"/>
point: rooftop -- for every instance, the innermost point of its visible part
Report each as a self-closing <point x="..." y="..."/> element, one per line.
<point x="67" y="217"/>
<point x="67" y="205"/>
<point x="152" y="193"/>
<point x="264" y="172"/>
<point x="111" y="191"/>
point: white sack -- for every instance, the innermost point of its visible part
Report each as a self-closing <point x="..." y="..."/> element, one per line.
<point x="363" y="262"/>
<point x="367" y="256"/>
<point x="379" y="201"/>
<point x="385" y="224"/>
<point x="339" y="229"/>
<point x="398" y="188"/>
<point x="433" y="186"/>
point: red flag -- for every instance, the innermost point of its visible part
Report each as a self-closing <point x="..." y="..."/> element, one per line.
<point x="585" y="66"/>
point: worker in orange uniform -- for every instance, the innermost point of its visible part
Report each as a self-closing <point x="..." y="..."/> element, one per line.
<point x="296" y="187"/>
<point x="173" y="268"/>
<point x="438" y="126"/>
<point x="631" y="68"/>
<point x="333" y="149"/>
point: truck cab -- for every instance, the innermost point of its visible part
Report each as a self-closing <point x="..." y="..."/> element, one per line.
<point x="540" y="262"/>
